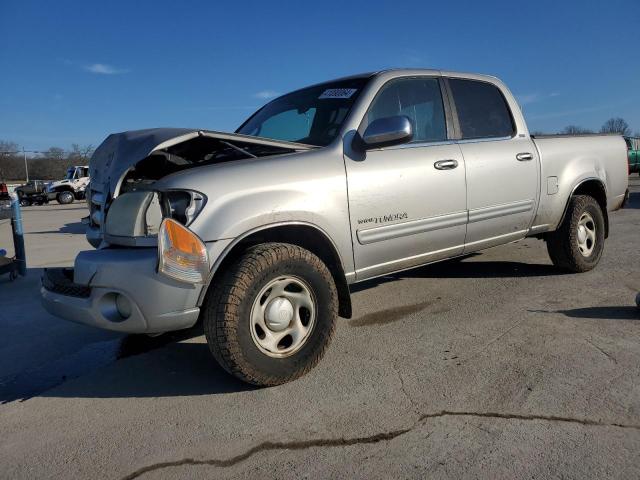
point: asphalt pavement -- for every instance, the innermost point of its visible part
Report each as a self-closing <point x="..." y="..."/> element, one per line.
<point x="491" y="366"/>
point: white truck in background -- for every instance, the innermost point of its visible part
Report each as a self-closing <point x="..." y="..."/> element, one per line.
<point x="72" y="187"/>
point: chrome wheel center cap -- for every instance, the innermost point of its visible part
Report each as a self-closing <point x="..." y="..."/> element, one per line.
<point x="582" y="234"/>
<point x="278" y="314"/>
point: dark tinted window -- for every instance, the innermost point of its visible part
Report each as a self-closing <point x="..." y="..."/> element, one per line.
<point x="482" y="110"/>
<point x="313" y="115"/>
<point x="417" y="98"/>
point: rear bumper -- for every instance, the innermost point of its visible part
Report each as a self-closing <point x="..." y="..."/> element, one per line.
<point x="89" y="293"/>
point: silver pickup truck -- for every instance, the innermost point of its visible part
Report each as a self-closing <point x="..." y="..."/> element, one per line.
<point x="259" y="233"/>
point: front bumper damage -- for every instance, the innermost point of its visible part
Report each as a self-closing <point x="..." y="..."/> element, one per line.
<point x="88" y="294"/>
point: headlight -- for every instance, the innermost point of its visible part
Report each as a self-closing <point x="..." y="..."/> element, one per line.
<point x="182" y="255"/>
<point x="182" y="205"/>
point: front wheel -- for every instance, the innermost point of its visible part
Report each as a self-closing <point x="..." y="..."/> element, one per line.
<point x="24" y="202"/>
<point x="271" y="316"/>
<point x="577" y="244"/>
<point x="65" y="198"/>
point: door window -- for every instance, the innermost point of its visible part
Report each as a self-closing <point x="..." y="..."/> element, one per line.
<point x="482" y="110"/>
<point x="420" y="100"/>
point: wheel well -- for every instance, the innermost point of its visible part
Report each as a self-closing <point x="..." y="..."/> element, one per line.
<point x="304" y="236"/>
<point x="595" y="189"/>
<point x="64" y="189"/>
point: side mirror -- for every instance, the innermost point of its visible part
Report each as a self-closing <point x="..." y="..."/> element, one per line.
<point x="387" y="131"/>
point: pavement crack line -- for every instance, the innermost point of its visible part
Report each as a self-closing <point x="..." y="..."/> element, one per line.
<point x="608" y="355"/>
<point x="491" y="342"/>
<point x="372" y="439"/>
<point x="403" y="388"/>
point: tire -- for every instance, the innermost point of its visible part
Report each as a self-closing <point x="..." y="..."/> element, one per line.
<point x="65" y="198"/>
<point x="567" y="246"/>
<point x="25" y="202"/>
<point x="237" y="340"/>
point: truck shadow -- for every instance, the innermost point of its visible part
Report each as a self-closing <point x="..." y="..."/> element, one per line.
<point x="90" y="363"/>
<point x="176" y="370"/>
<point x="634" y="200"/>
<point x="168" y="365"/>
<point x="599" y="313"/>
<point x="458" y="268"/>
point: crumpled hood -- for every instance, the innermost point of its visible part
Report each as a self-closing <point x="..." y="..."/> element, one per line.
<point x="120" y="151"/>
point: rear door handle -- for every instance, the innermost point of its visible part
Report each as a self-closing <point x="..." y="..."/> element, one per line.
<point x="524" y="157"/>
<point x="445" y="164"/>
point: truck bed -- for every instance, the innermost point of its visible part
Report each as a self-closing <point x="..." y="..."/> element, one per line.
<point x="568" y="160"/>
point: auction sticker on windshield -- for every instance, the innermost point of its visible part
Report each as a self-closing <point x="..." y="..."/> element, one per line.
<point x="338" y="93"/>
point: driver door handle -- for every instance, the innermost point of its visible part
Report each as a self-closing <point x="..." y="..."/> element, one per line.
<point x="445" y="164"/>
<point x="524" y="157"/>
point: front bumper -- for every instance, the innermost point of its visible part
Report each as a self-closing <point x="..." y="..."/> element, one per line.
<point x="88" y="294"/>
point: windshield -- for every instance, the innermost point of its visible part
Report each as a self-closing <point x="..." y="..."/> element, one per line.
<point x="312" y="115"/>
<point x="70" y="173"/>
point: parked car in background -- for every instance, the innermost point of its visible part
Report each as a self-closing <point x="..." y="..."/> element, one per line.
<point x="5" y="201"/>
<point x="32" y="192"/>
<point x="259" y="233"/>
<point x="633" y="151"/>
<point x="72" y="187"/>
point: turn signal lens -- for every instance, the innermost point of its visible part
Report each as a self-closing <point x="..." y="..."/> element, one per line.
<point x="182" y="255"/>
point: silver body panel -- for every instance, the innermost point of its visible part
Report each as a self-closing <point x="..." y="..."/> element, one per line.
<point x="383" y="210"/>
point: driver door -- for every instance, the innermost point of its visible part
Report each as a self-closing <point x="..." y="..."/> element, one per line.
<point x="407" y="202"/>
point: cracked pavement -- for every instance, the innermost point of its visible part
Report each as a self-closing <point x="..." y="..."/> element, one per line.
<point x="493" y="366"/>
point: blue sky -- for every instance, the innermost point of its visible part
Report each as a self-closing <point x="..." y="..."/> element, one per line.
<point x="75" y="71"/>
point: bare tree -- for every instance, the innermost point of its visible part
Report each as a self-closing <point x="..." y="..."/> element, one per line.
<point x="80" y="154"/>
<point x="575" y="130"/>
<point x="616" y="125"/>
<point x="54" y="153"/>
<point x="7" y="146"/>
<point x="9" y="161"/>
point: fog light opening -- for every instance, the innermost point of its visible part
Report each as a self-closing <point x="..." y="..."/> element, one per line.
<point x="123" y="306"/>
<point x="115" y="307"/>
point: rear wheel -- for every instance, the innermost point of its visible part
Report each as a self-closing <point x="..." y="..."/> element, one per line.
<point x="578" y="243"/>
<point x="65" y="198"/>
<point x="271" y="316"/>
<point x="24" y="202"/>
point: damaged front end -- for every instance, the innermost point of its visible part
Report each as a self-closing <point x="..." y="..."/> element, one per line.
<point x="124" y="208"/>
<point x="150" y="268"/>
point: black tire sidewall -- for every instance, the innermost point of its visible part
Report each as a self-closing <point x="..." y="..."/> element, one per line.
<point x="315" y="343"/>
<point x="62" y="195"/>
<point x="580" y="206"/>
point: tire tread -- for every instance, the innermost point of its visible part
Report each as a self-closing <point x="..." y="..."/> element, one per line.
<point x="221" y="310"/>
<point x="562" y="243"/>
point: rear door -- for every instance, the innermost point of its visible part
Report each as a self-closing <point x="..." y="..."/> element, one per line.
<point x="502" y="165"/>
<point x="407" y="203"/>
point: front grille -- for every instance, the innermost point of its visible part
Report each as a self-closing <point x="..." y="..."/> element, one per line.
<point x="60" y="280"/>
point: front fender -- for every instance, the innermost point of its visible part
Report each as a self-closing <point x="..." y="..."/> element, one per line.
<point x="244" y="196"/>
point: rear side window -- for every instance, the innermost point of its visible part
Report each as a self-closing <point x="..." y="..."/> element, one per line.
<point x="482" y="110"/>
<point x="420" y="100"/>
